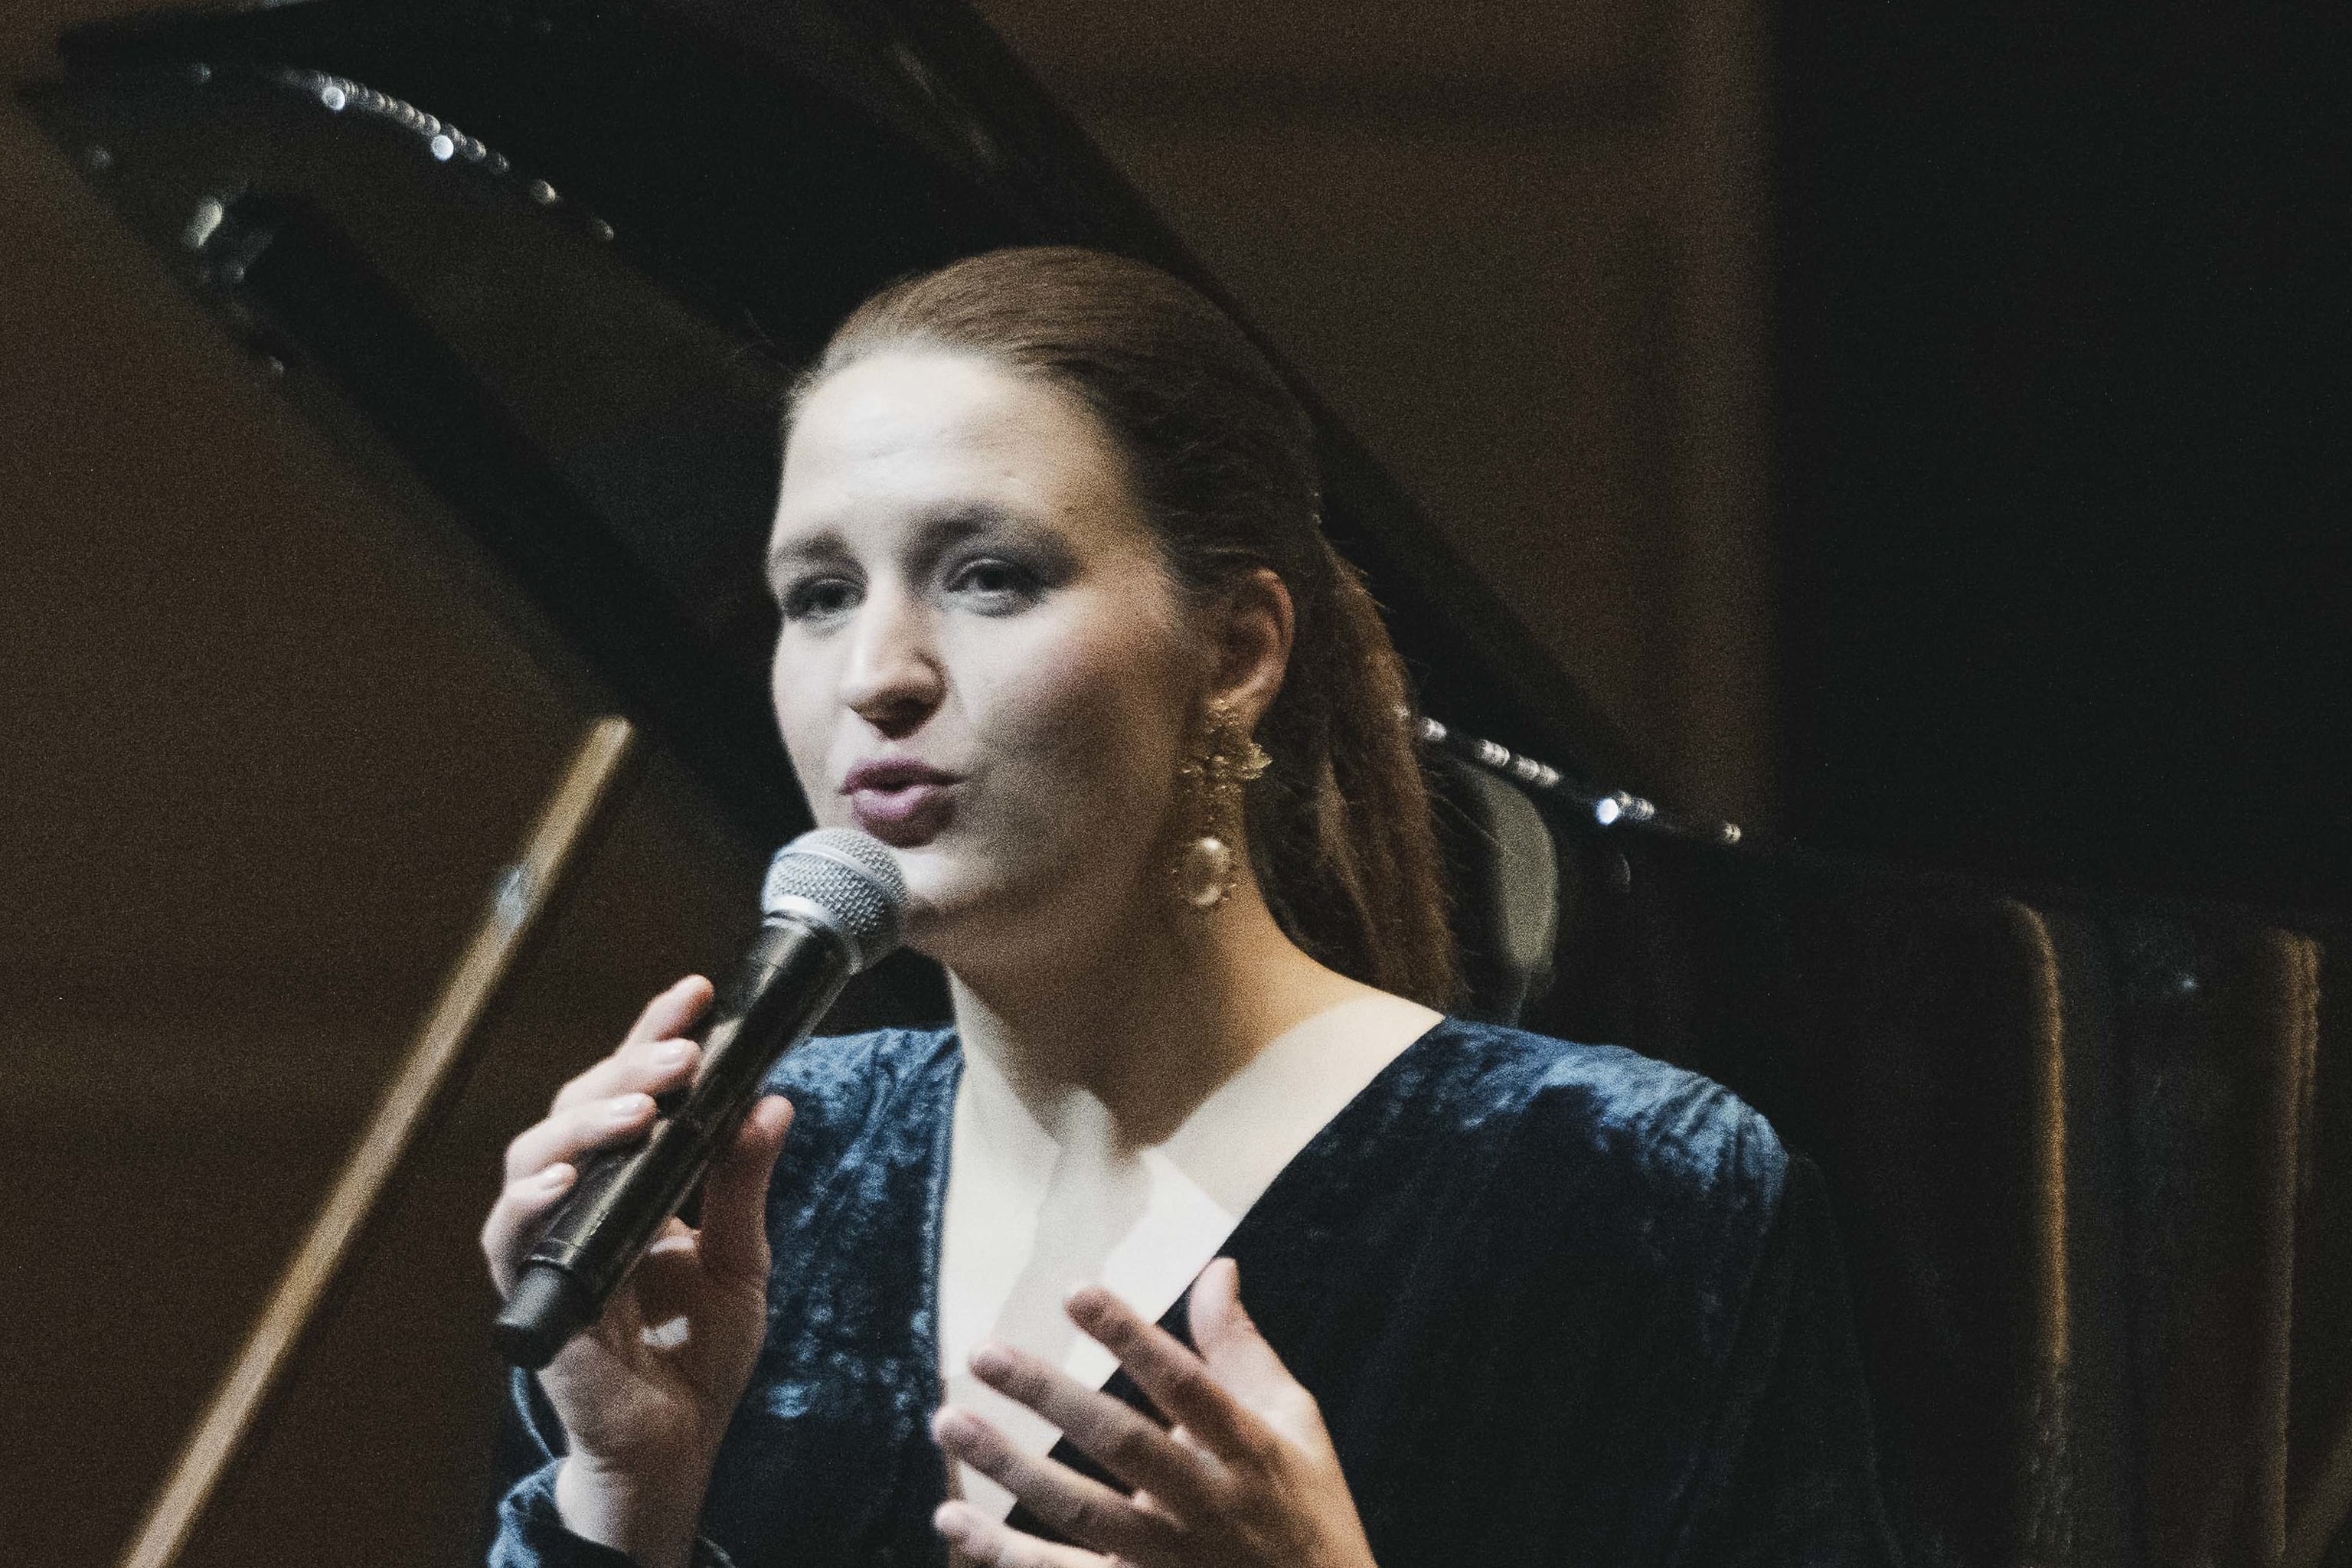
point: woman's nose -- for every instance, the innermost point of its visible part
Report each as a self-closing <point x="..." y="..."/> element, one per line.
<point x="893" y="679"/>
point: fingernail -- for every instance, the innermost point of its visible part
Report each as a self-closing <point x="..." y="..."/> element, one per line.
<point x="989" y="1361"/>
<point x="629" y="1107"/>
<point x="949" y="1522"/>
<point x="555" y="1178"/>
<point x="672" y="1053"/>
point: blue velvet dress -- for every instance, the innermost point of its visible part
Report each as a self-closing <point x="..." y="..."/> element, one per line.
<point x="1560" y="1304"/>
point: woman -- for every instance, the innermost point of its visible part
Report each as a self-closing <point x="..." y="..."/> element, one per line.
<point x="1059" y="625"/>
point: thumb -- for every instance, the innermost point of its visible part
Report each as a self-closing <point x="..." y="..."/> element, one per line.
<point x="1236" y="1353"/>
<point x="734" y="1246"/>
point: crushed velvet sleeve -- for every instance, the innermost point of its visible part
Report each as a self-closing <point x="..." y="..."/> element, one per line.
<point x="1682" y="1329"/>
<point x="855" y="1099"/>
<point x="1791" y="1477"/>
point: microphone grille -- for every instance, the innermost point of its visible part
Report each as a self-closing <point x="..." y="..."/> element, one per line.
<point x="845" y="880"/>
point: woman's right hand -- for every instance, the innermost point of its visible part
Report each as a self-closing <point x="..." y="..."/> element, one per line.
<point x="647" y="1392"/>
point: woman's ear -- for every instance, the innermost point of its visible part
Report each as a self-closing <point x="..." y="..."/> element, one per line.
<point x="1254" y="628"/>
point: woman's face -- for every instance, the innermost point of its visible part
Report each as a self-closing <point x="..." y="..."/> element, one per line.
<point x="983" y="661"/>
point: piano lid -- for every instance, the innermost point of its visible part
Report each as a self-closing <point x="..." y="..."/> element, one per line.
<point x="554" y="259"/>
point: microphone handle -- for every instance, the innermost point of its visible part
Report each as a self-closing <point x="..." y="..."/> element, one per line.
<point x="785" y="983"/>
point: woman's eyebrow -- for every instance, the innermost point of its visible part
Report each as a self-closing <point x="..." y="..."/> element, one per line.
<point x="826" y="547"/>
<point x="953" y="524"/>
<point x="930" y="538"/>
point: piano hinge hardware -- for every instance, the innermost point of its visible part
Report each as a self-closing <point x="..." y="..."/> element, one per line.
<point x="444" y="142"/>
<point x="1608" y="809"/>
<point x="341" y="95"/>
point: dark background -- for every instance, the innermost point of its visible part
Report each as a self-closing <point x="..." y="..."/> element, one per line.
<point x="1920" y="427"/>
<point x="2063" y="350"/>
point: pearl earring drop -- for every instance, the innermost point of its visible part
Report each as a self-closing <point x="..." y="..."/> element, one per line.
<point x="1206" y="868"/>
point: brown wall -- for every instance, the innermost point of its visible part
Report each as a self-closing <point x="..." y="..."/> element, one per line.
<point x="260" y="760"/>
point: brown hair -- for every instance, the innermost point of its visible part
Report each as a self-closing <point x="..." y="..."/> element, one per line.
<point x="1223" y="459"/>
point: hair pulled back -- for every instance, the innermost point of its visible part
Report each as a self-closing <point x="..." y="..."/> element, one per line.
<point x="1222" y="457"/>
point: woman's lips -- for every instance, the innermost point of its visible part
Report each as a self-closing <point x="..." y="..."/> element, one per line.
<point x="903" y="805"/>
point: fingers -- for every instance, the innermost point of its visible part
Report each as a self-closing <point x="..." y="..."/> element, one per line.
<point x="671" y="1011"/>
<point x="984" y="1540"/>
<point x="1070" y="1504"/>
<point x="518" y="1214"/>
<point x="642" y="1066"/>
<point x="1117" y="1436"/>
<point x="1176" y="1380"/>
<point x="735" y="1195"/>
<point x="1237" y="1354"/>
<point x="650" y="1058"/>
<point x="610" y="1103"/>
<point x="576" y="1131"/>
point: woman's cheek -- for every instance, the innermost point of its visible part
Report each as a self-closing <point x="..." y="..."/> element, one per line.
<point x="802" y="725"/>
<point x="1081" y="722"/>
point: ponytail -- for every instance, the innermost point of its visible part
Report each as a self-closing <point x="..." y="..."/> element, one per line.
<point x="1340" y="825"/>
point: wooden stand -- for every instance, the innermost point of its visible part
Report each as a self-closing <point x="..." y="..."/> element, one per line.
<point x="418" y="1095"/>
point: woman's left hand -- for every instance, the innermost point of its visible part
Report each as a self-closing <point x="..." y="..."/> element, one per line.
<point x="1246" y="1479"/>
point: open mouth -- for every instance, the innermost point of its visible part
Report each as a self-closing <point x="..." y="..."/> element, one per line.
<point x="902" y="804"/>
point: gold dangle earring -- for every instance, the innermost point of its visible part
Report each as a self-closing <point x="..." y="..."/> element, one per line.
<point x="1206" y="866"/>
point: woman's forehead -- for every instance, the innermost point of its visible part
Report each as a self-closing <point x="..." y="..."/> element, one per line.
<point x="906" y="435"/>
<point x="905" y="400"/>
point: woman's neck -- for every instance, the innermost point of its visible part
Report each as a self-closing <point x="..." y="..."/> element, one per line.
<point x="1149" y="1020"/>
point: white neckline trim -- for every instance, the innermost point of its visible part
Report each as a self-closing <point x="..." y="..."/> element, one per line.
<point x="1025" y="1220"/>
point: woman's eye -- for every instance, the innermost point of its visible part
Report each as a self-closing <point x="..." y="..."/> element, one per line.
<point x="998" y="584"/>
<point x="819" y="596"/>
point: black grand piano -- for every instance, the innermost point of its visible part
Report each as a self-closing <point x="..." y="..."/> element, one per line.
<point x="540" y="267"/>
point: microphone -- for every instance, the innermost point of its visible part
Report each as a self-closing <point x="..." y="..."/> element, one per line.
<point x="834" y="904"/>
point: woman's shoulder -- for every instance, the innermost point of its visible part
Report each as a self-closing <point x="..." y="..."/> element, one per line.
<point x="887" y="1056"/>
<point x="1600" y="1122"/>
<point x="839" y="1082"/>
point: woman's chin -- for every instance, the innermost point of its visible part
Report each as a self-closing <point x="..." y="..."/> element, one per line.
<point x="940" y="887"/>
<point x="957" y="911"/>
